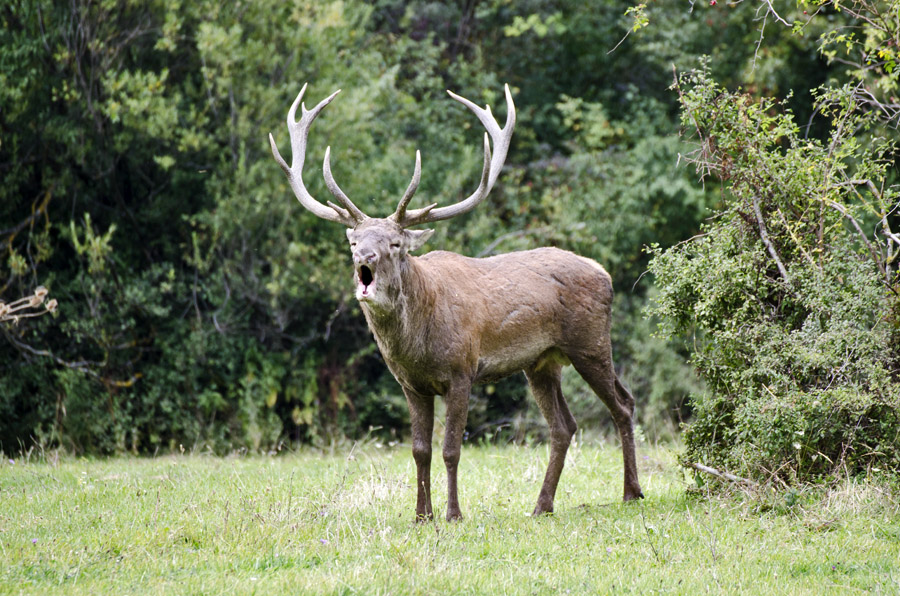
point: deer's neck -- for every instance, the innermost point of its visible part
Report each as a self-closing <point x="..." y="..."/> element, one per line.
<point x="401" y="327"/>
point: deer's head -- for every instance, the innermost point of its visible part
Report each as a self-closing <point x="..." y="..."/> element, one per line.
<point x="380" y="245"/>
<point x="380" y="248"/>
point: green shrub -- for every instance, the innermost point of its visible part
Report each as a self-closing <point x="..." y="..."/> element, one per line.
<point x="791" y="307"/>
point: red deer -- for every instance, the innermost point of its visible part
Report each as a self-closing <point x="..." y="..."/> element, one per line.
<point x="444" y="321"/>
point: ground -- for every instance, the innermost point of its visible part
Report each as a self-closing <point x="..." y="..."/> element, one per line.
<point x="341" y="522"/>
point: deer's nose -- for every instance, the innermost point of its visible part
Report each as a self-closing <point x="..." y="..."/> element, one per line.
<point x="365" y="257"/>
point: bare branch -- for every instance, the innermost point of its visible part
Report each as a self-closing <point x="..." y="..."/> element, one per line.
<point x="722" y="475"/>
<point x="778" y="18"/>
<point x="21" y="308"/>
<point x="83" y="366"/>
<point x="876" y="256"/>
<point x="765" y="239"/>
<point x="489" y="249"/>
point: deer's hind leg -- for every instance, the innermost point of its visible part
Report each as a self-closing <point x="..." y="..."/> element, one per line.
<point x="597" y="370"/>
<point x="545" y="384"/>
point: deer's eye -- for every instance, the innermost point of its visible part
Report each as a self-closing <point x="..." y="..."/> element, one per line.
<point x="395" y="245"/>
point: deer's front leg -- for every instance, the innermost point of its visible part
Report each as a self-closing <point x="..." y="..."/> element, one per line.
<point x="457" y="400"/>
<point x="421" y="414"/>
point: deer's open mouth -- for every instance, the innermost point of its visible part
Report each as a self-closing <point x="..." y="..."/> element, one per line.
<point x="365" y="286"/>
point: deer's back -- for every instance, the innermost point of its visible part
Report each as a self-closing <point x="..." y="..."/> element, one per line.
<point x="510" y="310"/>
<point x="546" y="278"/>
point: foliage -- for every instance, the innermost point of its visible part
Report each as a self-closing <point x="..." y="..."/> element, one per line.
<point x="792" y="306"/>
<point x="198" y="308"/>
<point x="340" y="521"/>
<point x="200" y="305"/>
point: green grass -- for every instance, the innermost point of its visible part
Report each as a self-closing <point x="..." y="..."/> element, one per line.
<point x="313" y="522"/>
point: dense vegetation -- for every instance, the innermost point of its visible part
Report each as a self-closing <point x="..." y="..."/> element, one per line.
<point x="796" y="337"/>
<point x="791" y="293"/>
<point x="200" y="305"/>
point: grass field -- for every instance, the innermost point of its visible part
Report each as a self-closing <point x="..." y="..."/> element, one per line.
<point x="314" y="522"/>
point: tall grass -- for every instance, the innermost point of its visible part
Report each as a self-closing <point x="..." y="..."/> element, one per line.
<point x="341" y="523"/>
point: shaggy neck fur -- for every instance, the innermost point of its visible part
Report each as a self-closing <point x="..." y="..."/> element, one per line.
<point x="400" y="326"/>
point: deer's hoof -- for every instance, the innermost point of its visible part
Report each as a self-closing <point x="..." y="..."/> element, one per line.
<point x="542" y="509"/>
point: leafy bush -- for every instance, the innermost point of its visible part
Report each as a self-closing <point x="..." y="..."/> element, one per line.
<point x="792" y="307"/>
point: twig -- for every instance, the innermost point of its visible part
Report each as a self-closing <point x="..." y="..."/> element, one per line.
<point x="83" y="366"/>
<point x="647" y="532"/>
<point x="875" y="256"/>
<point x="8" y="312"/>
<point x="489" y="249"/>
<point x="723" y="475"/>
<point x="775" y="14"/>
<point x="765" y="238"/>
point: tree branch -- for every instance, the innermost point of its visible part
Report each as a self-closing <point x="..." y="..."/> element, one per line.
<point x="843" y="210"/>
<point x="765" y="239"/>
<point x="722" y="475"/>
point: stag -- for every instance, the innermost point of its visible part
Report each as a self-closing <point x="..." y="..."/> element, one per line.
<point x="444" y="322"/>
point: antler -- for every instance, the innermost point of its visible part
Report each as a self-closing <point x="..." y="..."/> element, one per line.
<point x="489" y="173"/>
<point x="350" y="215"/>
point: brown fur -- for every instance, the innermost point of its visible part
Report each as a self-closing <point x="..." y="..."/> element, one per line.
<point x="444" y="322"/>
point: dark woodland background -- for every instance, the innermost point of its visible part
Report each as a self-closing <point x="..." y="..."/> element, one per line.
<point x="744" y="213"/>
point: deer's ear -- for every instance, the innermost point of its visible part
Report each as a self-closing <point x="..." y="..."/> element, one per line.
<point x="417" y="238"/>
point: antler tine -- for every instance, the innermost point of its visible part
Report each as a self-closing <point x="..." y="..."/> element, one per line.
<point x="352" y="209"/>
<point x="400" y="214"/>
<point x="492" y="164"/>
<point x="299" y="132"/>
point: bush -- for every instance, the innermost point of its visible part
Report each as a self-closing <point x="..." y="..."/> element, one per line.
<point x="792" y="308"/>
